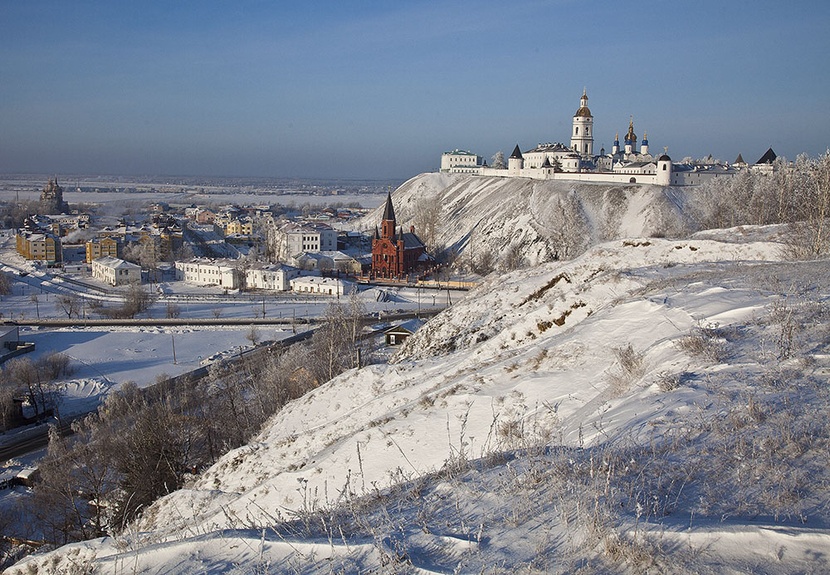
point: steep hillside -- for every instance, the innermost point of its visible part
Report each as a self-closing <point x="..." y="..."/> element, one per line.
<point x="651" y="405"/>
<point x="540" y="220"/>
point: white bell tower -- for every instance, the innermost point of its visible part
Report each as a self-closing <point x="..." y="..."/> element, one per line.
<point x="582" y="136"/>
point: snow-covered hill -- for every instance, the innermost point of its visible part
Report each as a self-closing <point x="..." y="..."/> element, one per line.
<point x="542" y="220"/>
<point x="652" y="404"/>
<point x="624" y="402"/>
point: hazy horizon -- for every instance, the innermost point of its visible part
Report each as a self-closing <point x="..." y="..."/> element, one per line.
<point x="373" y="90"/>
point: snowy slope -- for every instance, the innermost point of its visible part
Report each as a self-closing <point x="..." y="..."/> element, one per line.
<point x="633" y="407"/>
<point x="545" y="219"/>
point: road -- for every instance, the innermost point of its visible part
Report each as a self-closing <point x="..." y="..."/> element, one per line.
<point x="37" y="437"/>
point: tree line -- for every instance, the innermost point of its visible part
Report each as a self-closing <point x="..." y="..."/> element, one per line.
<point x="144" y="443"/>
<point x="797" y="195"/>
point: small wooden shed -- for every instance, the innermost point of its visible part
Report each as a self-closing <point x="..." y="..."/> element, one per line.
<point x="398" y="334"/>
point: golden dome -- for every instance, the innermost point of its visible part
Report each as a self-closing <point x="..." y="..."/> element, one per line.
<point x="583" y="112"/>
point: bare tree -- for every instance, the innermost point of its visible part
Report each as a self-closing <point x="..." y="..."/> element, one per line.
<point x="513" y="258"/>
<point x="78" y="477"/>
<point x="8" y="409"/>
<point x="253" y="335"/>
<point x="484" y="262"/>
<point x="5" y="284"/>
<point x="70" y="304"/>
<point x="173" y="310"/>
<point x="34" y="299"/>
<point x="33" y="383"/>
<point x="136" y="300"/>
<point x="427" y="220"/>
<point x="334" y="342"/>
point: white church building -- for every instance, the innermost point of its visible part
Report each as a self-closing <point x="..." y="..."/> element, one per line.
<point x="631" y="163"/>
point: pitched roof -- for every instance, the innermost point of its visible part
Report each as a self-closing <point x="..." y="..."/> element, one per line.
<point x="407" y="327"/>
<point x="411" y="241"/>
<point x="739" y="160"/>
<point x="116" y="263"/>
<point x="768" y="157"/>
<point x="517" y="153"/>
<point x="388" y="210"/>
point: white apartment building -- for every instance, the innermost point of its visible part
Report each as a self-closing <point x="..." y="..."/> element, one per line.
<point x="221" y="273"/>
<point x="275" y="277"/>
<point x="320" y="285"/>
<point x="461" y="162"/>
<point x="292" y="238"/>
<point x="115" y="272"/>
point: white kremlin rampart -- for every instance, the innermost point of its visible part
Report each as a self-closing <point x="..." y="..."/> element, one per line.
<point x="628" y="164"/>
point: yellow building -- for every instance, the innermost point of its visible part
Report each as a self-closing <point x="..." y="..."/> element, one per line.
<point x="102" y="247"/>
<point x="39" y="246"/>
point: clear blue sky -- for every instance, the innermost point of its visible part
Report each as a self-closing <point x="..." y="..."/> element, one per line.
<point x="378" y="89"/>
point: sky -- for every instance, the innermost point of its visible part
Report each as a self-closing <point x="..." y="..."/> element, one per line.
<point x="378" y="90"/>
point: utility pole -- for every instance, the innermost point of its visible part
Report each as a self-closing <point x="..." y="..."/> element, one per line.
<point x="173" y="340"/>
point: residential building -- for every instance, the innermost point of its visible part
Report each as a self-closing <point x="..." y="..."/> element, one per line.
<point x="223" y="273"/>
<point x="327" y="262"/>
<point x="102" y="247"/>
<point x="461" y="162"/>
<point x="41" y="246"/>
<point x="292" y="238"/>
<point x="275" y="277"/>
<point x="320" y="285"/>
<point x="115" y="272"/>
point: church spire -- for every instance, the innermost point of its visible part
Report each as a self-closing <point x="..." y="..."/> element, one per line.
<point x="389" y="210"/>
<point x="388" y="223"/>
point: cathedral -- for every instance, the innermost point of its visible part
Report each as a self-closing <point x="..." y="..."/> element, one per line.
<point x="51" y="198"/>
<point x="577" y="160"/>
<point x="395" y="253"/>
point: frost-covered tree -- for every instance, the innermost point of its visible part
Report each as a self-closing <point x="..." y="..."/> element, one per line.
<point x="497" y="161"/>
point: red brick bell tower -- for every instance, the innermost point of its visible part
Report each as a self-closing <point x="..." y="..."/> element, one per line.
<point x="394" y="253"/>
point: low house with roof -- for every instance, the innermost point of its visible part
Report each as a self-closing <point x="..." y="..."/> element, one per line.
<point x="398" y="334"/>
<point x="320" y="285"/>
<point x="115" y="271"/>
<point x="328" y="261"/>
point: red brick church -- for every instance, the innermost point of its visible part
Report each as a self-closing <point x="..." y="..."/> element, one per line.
<point x="396" y="254"/>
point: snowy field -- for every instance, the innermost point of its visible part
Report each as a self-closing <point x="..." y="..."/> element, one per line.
<point x="13" y="189"/>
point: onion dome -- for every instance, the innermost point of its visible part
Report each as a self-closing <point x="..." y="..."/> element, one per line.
<point x="583" y="111"/>
<point x="631" y="136"/>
